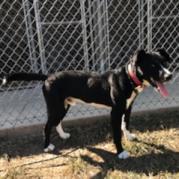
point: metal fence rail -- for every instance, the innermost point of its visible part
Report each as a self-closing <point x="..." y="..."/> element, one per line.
<point x="96" y="35"/>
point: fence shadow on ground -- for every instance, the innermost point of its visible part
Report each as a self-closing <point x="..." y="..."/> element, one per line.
<point x="153" y="163"/>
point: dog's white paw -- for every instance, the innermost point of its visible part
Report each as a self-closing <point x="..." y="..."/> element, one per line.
<point x="123" y="155"/>
<point x="65" y="135"/>
<point x="50" y="148"/>
<point x="62" y="134"/>
<point x="131" y="136"/>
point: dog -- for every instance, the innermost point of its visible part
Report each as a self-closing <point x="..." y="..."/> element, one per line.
<point x="115" y="89"/>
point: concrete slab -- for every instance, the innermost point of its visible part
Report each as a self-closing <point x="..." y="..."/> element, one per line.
<point x="27" y="107"/>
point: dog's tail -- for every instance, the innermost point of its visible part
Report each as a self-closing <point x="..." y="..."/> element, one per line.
<point x="23" y="77"/>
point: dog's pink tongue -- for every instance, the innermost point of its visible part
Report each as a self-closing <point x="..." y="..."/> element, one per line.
<point x="163" y="91"/>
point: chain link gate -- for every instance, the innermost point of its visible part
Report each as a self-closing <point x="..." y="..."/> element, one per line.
<point x="97" y="35"/>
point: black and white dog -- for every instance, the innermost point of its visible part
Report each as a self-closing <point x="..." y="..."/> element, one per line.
<point x="116" y="89"/>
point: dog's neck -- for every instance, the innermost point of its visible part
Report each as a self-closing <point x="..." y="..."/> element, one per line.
<point x="138" y="83"/>
<point x="133" y="76"/>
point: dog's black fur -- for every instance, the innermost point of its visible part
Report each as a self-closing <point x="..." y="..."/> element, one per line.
<point x="113" y="88"/>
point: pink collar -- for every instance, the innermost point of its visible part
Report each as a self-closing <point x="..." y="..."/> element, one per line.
<point x="133" y="76"/>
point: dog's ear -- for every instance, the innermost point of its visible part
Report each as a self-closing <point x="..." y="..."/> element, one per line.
<point x="164" y="54"/>
<point x="141" y="54"/>
<point x="138" y="57"/>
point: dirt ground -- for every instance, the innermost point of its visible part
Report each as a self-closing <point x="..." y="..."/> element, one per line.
<point x="90" y="153"/>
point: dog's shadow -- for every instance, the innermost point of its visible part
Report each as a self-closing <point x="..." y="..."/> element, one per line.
<point x="155" y="163"/>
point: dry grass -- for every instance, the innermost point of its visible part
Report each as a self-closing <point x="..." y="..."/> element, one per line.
<point x="90" y="153"/>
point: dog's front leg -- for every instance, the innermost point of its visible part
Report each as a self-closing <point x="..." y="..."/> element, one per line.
<point x="125" y="125"/>
<point x="116" y="119"/>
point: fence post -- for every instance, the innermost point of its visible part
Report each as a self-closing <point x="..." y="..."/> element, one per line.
<point x="141" y="23"/>
<point x="149" y="25"/>
<point x="30" y="35"/>
<point x="40" y="36"/>
<point x="84" y="31"/>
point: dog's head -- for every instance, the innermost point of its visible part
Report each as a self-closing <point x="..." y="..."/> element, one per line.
<point x="152" y="67"/>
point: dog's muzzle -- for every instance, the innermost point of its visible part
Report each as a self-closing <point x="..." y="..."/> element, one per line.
<point x="167" y="75"/>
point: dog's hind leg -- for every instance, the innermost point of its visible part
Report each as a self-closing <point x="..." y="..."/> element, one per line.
<point x="47" y="131"/>
<point x="62" y="134"/>
<point x="55" y="116"/>
<point x="125" y="125"/>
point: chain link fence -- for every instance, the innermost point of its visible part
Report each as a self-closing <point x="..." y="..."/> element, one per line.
<point x="92" y="35"/>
